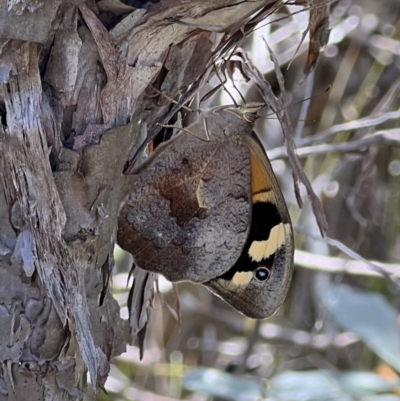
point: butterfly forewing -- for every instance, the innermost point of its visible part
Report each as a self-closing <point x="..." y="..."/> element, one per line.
<point x="258" y="282"/>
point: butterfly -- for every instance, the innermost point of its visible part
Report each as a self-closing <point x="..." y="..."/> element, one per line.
<point x="207" y="208"/>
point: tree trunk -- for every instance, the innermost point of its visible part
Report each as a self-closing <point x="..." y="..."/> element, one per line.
<point x="75" y="80"/>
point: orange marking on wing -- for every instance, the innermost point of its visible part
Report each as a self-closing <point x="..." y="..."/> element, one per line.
<point x="261" y="187"/>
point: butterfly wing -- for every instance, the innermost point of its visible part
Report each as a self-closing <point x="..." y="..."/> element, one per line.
<point x="258" y="282"/>
<point x="187" y="216"/>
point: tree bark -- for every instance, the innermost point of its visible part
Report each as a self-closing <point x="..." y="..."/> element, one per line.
<point x="75" y="81"/>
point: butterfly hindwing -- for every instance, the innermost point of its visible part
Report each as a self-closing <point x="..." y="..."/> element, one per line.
<point x="187" y="216"/>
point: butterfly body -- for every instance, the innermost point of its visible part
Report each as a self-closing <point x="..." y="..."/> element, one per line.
<point x="210" y="211"/>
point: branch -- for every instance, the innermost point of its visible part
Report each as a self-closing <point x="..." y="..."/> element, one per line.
<point x="334" y="265"/>
<point x="389" y="137"/>
<point x="373" y="266"/>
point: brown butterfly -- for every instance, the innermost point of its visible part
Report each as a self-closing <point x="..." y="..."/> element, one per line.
<point x="207" y="208"/>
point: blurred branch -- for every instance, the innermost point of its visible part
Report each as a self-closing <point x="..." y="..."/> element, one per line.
<point x="251" y="342"/>
<point x="373" y="266"/>
<point x="350" y="126"/>
<point x="389" y="137"/>
<point x="305" y="106"/>
<point x="229" y="318"/>
<point x="328" y="133"/>
<point x="136" y="394"/>
<point x="331" y="264"/>
<point x="279" y="334"/>
<point x="378" y="116"/>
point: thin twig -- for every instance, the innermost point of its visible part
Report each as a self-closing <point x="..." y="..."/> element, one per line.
<point x="354" y="255"/>
<point x="389" y="137"/>
<point x="351" y="125"/>
<point x="279" y="334"/>
<point x="335" y="265"/>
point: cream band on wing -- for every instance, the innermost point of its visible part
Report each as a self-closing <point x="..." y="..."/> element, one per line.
<point x="241" y="279"/>
<point x="260" y="250"/>
<point x="266" y="196"/>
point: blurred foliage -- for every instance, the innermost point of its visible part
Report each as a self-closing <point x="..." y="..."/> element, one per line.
<point x="337" y="336"/>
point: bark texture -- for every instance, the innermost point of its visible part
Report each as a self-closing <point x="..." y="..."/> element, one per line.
<point x="75" y="80"/>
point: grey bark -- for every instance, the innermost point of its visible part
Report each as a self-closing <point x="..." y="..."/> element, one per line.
<point x="74" y="85"/>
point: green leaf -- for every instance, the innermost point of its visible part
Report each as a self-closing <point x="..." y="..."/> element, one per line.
<point x="223" y="385"/>
<point x="313" y="385"/>
<point x="317" y="385"/>
<point x="370" y="316"/>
